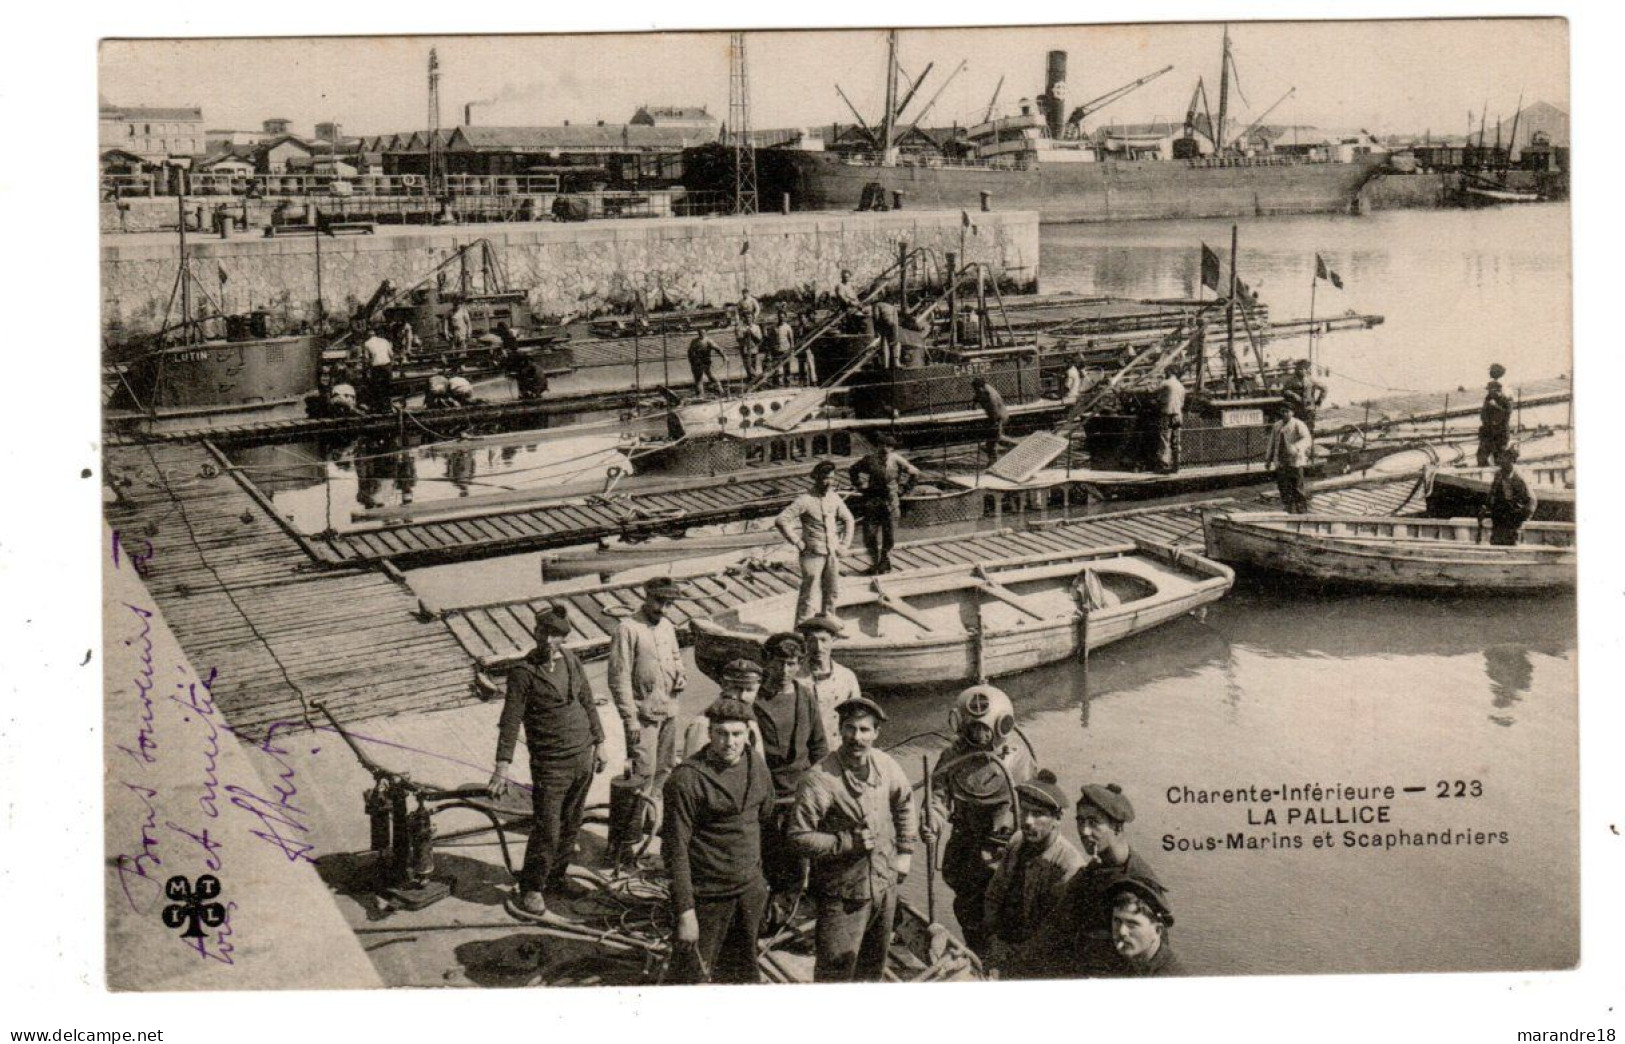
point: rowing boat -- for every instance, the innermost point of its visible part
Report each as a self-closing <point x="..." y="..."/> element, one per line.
<point x="966" y="622"/>
<point x="619" y="556"/>
<point x="1466" y="491"/>
<point x="1405" y="554"/>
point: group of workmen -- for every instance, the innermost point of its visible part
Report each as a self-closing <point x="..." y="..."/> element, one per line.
<point x="780" y="799"/>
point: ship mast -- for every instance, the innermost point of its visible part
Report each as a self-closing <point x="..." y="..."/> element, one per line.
<point x="889" y="121"/>
<point x="1224" y="92"/>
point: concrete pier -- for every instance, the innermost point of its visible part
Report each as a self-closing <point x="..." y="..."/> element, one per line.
<point x="567" y="269"/>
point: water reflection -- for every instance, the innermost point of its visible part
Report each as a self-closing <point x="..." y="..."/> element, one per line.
<point x="1510" y="672"/>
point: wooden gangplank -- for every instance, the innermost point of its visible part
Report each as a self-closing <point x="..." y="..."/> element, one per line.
<point x="498" y="635"/>
<point x="242" y="597"/>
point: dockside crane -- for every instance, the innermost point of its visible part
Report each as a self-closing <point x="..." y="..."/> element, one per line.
<point x="1240" y="139"/>
<point x="993" y="101"/>
<point x="1074" y="122"/>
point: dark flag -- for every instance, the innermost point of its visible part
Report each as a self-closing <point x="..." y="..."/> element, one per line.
<point x="1210" y="269"/>
<point x="1320" y="267"/>
<point x="1337" y="280"/>
<point x="221" y="272"/>
<point x="744" y="249"/>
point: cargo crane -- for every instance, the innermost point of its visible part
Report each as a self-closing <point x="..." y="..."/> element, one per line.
<point x="1074" y="122"/>
<point x="1186" y="147"/>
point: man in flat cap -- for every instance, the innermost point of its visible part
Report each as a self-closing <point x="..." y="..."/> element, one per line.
<point x="881" y="477"/>
<point x="645" y="677"/>
<point x="1494" y="418"/>
<point x="1077" y="940"/>
<point x="1303" y="393"/>
<point x="548" y="693"/>
<point x="716" y="803"/>
<point x="854" y="817"/>
<point x="1141" y="919"/>
<point x="819" y="526"/>
<point x="833" y="684"/>
<point x="1031" y="880"/>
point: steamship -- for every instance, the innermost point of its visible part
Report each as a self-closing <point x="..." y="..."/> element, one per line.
<point x="1039" y="159"/>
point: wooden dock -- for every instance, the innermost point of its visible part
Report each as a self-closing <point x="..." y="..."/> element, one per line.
<point x="241" y="595"/>
<point x="497" y="635"/>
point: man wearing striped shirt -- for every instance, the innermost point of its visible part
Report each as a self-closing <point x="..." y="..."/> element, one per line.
<point x="819" y="526"/>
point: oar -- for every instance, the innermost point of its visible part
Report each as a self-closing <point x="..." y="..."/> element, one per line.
<point x="930" y="849"/>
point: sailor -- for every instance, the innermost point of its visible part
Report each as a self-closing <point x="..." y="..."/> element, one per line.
<point x="700" y="351"/>
<point x="806" y="363"/>
<point x="377" y="356"/>
<point x="529" y="373"/>
<point x="973" y="795"/>
<point x="889" y="329"/>
<point x="1170" y="419"/>
<point x="341" y="401"/>
<point x="881" y="477"/>
<point x="819" y="526"/>
<point x="998" y="414"/>
<point x="711" y="842"/>
<point x="854" y="818"/>
<point x="549" y="694"/>
<point x="741" y="680"/>
<point x="1072" y="381"/>
<point x="793" y="740"/>
<point x="439" y="396"/>
<point x="460" y="325"/>
<point x="750" y="338"/>
<point x="507" y="340"/>
<point x="750" y="309"/>
<point x="833" y="684"/>
<point x="846" y="295"/>
<point x="1076" y="941"/>
<point x="1029" y="882"/>
<point x="1140" y="923"/>
<point x="1494" y="418"/>
<point x="1512" y="503"/>
<point x="1288" y="456"/>
<point x="1304" y="394"/>
<point x="645" y="678"/>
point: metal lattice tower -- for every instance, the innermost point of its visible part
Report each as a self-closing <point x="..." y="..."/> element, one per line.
<point x="744" y="153"/>
<point x="436" y="162"/>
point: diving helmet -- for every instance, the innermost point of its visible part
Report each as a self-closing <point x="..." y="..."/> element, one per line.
<point x="982" y="715"/>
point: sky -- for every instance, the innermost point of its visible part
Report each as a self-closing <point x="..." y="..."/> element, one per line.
<point x="1385" y="76"/>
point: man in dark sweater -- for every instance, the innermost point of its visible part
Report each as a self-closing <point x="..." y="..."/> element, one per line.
<point x="549" y="694"/>
<point x="793" y="740"/>
<point x="711" y="840"/>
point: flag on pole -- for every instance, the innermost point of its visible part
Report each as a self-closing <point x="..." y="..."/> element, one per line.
<point x="966" y="222"/>
<point x="1210" y="269"/>
<point x="1322" y="272"/>
<point x="744" y="249"/>
<point x="220" y="270"/>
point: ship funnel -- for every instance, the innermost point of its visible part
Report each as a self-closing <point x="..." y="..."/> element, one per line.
<point x="1052" y="103"/>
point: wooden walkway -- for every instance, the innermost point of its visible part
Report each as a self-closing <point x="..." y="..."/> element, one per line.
<point x="241" y="595"/>
<point x="497" y="635"/>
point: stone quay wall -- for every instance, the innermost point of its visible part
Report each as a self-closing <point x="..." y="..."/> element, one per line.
<point x="568" y="270"/>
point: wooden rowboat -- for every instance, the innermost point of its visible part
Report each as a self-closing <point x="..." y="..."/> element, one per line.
<point x="1464" y="491"/>
<point x="619" y="556"/>
<point x="1405" y="554"/>
<point x="965" y="622"/>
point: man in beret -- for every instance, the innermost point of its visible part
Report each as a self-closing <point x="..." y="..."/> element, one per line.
<point x="854" y="817"/>
<point x="1141" y="919"/>
<point x="1512" y="502"/>
<point x="881" y="477"/>
<point x="716" y="803"/>
<point x="645" y="677"/>
<point x="548" y="693"/>
<point x="1494" y="418"/>
<point x="793" y="740"/>
<point x="819" y="526"/>
<point x="1031" y="880"/>
<point x="1077" y="940"/>
<point x="1304" y="394"/>
<point x="832" y="683"/>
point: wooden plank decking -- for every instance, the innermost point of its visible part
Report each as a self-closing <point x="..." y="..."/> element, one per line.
<point x="241" y="595"/>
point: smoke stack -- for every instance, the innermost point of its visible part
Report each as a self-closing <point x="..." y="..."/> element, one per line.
<point x="468" y="115"/>
<point x="1052" y="103"/>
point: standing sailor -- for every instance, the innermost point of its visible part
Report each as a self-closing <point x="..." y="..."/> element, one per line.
<point x="710" y="839"/>
<point x="1304" y="394"/>
<point x="1494" y="419"/>
<point x="1288" y="456"/>
<point x="793" y="740"/>
<point x="1170" y="420"/>
<point x="973" y="795"/>
<point x="832" y="683"/>
<point x="645" y="677"/>
<point x="1512" y="503"/>
<point x="548" y="693"/>
<point x="854" y="817"/>
<point x="378" y="356"/>
<point x="700" y="352"/>
<point x="819" y="526"/>
<point x="998" y="414"/>
<point x="1031" y="880"/>
<point x="881" y="477"/>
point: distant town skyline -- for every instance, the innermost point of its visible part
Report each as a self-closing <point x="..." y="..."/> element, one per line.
<point x="1383" y="76"/>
